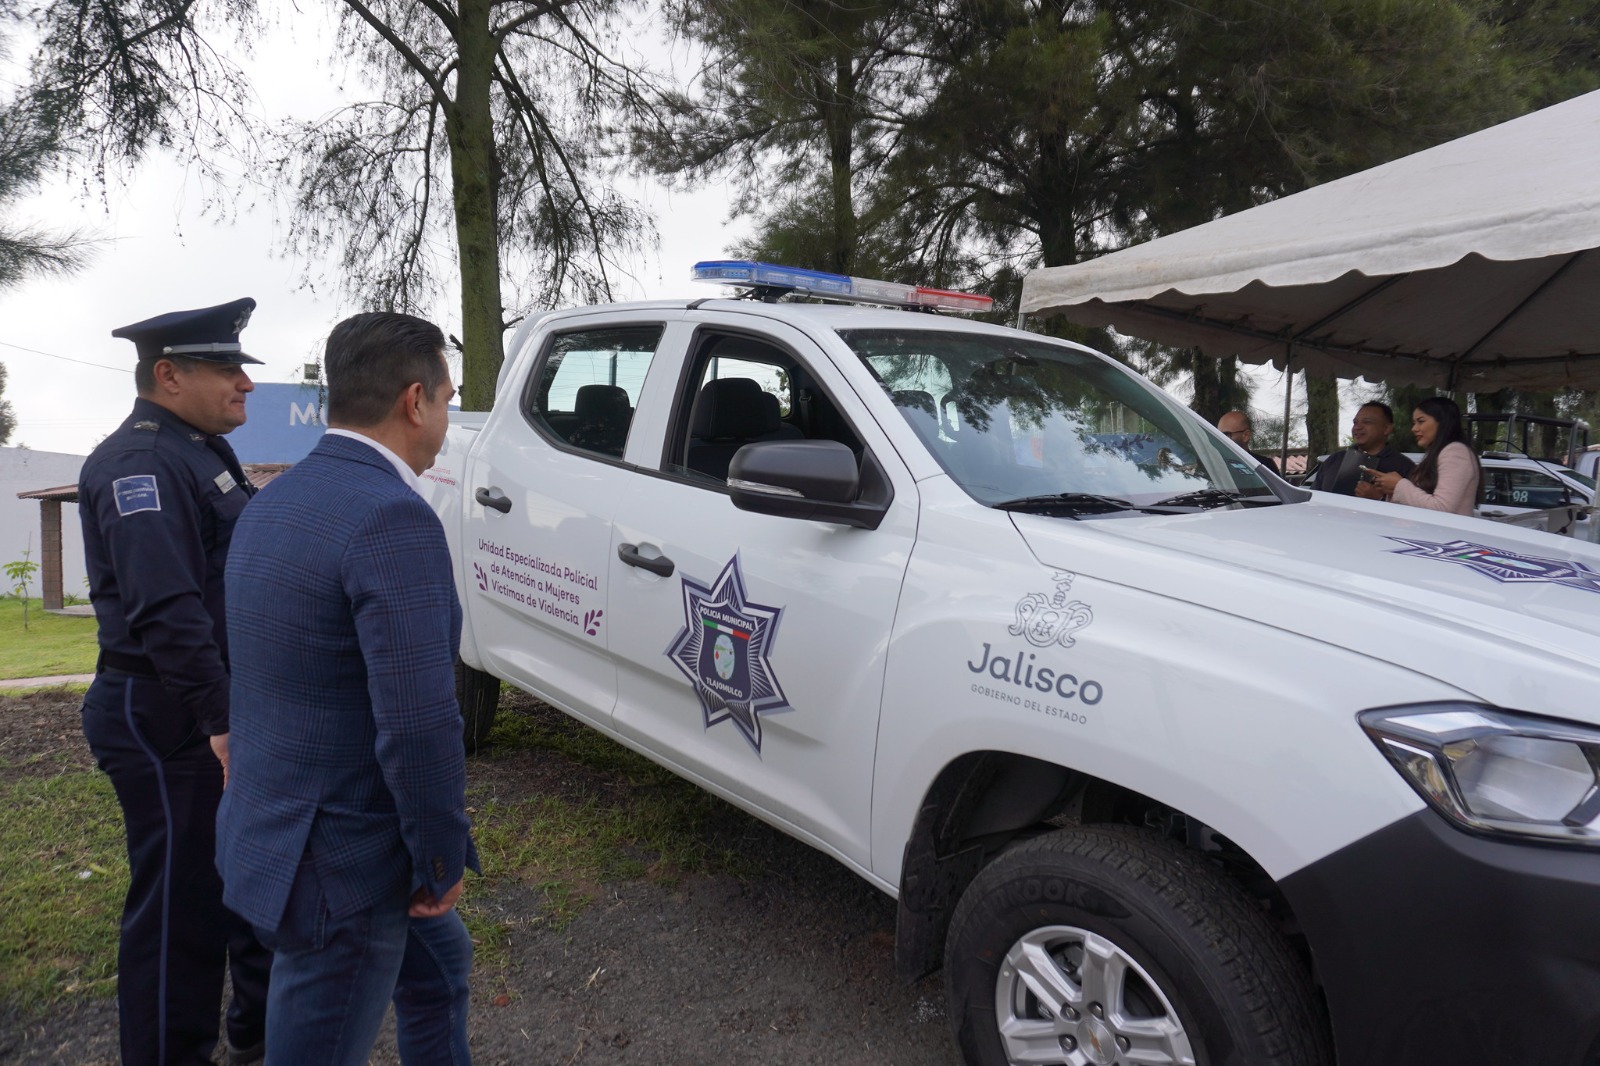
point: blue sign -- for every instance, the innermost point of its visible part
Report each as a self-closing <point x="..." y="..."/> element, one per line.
<point x="285" y="422"/>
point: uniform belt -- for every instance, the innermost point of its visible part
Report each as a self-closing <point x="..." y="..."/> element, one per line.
<point x="134" y="665"/>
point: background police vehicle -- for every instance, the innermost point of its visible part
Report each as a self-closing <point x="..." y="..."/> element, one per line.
<point x="1533" y="464"/>
<point x="1515" y="485"/>
<point x="1165" y="760"/>
<point x="1587" y="462"/>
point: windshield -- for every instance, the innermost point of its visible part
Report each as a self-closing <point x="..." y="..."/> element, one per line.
<point x="1583" y="479"/>
<point x="1014" y="420"/>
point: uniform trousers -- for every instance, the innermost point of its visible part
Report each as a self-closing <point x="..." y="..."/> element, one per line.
<point x="334" y="977"/>
<point x="177" y="938"/>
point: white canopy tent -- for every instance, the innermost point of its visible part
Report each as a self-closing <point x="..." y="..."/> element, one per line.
<point x="1465" y="266"/>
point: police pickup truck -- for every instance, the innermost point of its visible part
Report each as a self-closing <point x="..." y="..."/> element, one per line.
<point x="1165" y="760"/>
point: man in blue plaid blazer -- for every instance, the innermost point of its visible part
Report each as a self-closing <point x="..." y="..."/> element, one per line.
<point x="342" y="835"/>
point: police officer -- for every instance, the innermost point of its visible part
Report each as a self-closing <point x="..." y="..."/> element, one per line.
<point x="158" y="499"/>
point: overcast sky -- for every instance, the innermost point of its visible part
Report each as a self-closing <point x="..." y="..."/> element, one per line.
<point x="70" y="382"/>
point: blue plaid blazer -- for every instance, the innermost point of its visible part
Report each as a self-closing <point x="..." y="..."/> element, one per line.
<point x="346" y="736"/>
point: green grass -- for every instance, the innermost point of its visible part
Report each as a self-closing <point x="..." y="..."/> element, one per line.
<point x="58" y="929"/>
<point x="649" y="824"/>
<point x="52" y="644"/>
<point x="553" y="732"/>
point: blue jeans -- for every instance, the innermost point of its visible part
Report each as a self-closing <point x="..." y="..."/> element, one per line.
<point x="333" y="978"/>
<point x="430" y="998"/>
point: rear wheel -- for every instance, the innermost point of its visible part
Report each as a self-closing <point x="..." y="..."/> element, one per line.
<point x="1105" y="945"/>
<point x="478" y="694"/>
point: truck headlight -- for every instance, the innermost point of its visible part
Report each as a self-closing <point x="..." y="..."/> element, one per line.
<point x="1496" y="771"/>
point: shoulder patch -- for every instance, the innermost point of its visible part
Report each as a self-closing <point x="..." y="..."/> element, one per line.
<point x="136" y="493"/>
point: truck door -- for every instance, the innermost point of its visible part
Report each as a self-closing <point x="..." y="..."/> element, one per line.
<point x="756" y="664"/>
<point x="541" y="486"/>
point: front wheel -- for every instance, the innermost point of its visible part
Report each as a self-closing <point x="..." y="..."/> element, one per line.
<point x="478" y="694"/>
<point x="1107" y="946"/>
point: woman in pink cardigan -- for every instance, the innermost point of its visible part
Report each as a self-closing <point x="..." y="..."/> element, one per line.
<point x="1448" y="477"/>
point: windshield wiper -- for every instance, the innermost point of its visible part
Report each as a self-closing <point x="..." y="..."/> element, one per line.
<point x="1069" y="503"/>
<point x="1204" y="498"/>
<point x="1073" y="504"/>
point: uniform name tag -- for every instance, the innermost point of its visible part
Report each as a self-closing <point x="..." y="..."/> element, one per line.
<point x="225" y="482"/>
<point x="136" y="493"/>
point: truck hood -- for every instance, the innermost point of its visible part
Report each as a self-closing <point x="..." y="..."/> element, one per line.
<point x="1457" y="598"/>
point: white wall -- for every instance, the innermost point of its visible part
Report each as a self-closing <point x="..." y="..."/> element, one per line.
<point x="26" y="470"/>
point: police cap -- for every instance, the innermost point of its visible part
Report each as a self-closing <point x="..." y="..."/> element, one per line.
<point x="208" y="333"/>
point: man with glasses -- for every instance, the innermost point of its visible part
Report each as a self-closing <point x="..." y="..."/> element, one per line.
<point x="1235" y="425"/>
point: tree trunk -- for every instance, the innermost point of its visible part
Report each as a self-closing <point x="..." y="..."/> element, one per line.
<point x="1058" y="237"/>
<point x="1404" y="399"/>
<point x="839" y="120"/>
<point x="1322" y="415"/>
<point x="1216" y="385"/>
<point x="474" y="171"/>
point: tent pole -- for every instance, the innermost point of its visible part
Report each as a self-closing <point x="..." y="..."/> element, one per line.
<point x="1288" y="395"/>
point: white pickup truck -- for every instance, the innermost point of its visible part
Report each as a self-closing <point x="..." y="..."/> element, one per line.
<point x="1164" y="760"/>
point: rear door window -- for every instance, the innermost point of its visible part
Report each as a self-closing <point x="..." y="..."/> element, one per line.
<point x="587" y="386"/>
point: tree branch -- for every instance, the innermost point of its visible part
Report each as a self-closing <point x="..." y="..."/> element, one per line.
<point x="524" y="106"/>
<point x="446" y="16"/>
<point x="533" y="14"/>
<point x="411" y="58"/>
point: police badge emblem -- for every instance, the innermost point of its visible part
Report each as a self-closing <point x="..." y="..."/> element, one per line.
<point x="1503" y="565"/>
<point x="722" y="650"/>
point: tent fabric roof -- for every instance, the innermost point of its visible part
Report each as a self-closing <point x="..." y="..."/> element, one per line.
<point x="1467" y="265"/>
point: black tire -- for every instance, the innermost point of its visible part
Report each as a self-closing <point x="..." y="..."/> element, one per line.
<point x="478" y="694"/>
<point x="1172" y="953"/>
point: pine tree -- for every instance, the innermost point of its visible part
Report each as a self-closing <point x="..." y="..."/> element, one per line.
<point x="8" y="417"/>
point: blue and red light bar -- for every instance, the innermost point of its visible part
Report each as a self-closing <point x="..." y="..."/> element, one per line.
<point x="837" y="286"/>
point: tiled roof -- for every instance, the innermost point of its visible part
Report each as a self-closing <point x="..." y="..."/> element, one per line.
<point x="64" y="493"/>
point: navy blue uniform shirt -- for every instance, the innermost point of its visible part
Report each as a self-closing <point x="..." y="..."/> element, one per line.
<point x="158" y="500"/>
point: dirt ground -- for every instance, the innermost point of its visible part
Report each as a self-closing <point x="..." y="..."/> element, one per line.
<point x="791" y="965"/>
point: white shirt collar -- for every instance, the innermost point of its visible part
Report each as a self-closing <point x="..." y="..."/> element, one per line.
<point x="407" y="475"/>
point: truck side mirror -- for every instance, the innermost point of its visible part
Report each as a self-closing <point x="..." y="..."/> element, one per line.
<point x="818" y="480"/>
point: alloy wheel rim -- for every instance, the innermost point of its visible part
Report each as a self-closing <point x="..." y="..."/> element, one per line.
<point x="1072" y="997"/>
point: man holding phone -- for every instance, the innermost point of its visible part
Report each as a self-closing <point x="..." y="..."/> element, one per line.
<point x="1346" y="472"/>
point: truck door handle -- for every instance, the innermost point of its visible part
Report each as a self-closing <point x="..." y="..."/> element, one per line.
<point x="492" y="499"/>
<point x="660" y="564"/>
